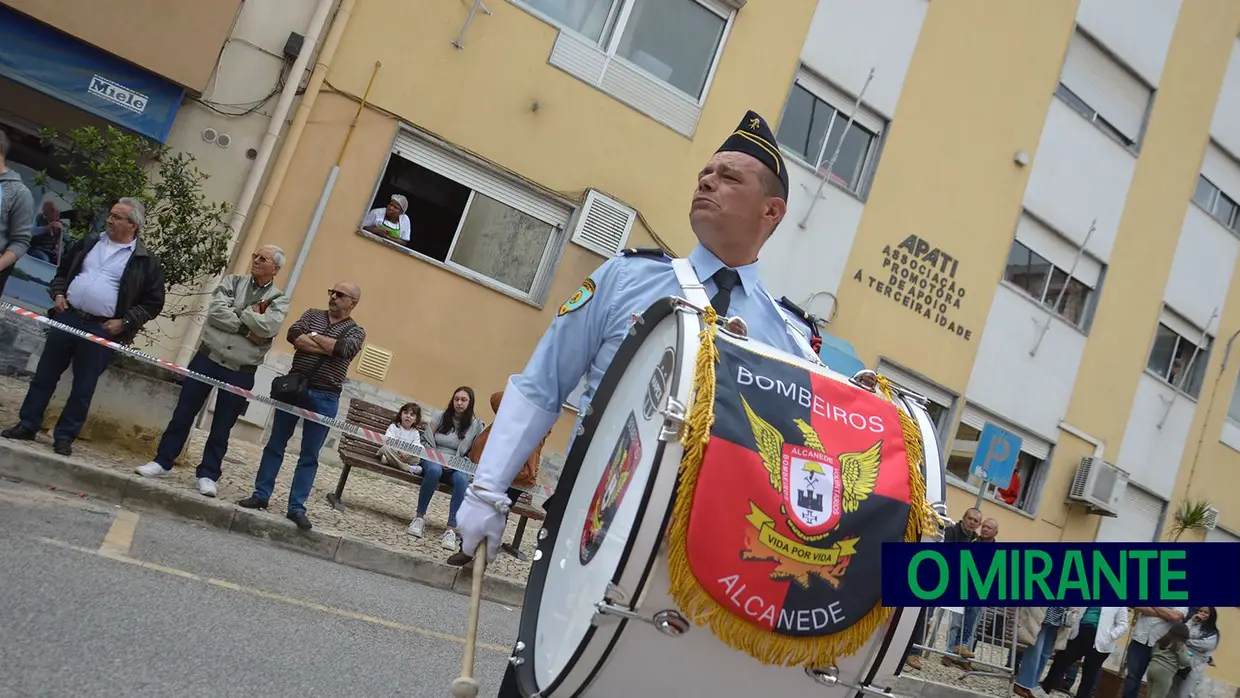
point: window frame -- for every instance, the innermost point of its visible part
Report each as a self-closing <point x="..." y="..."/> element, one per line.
<point x="1091" y="299"/>
<point x="826" y="92"/>
<point x="1032" y="483"/>
<point x="1216" y="195"/>
<point x="613" y="31"/>
<point x="1090" y="112"/>
<point x="553" y="251"/>
<point x="1203" y="353"/>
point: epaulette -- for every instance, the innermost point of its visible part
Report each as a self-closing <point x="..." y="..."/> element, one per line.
<point x="816" y="338"/>
<point x="654" y="252"/>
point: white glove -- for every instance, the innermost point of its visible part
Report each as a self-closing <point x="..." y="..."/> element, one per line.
<point x="482" y="516"/>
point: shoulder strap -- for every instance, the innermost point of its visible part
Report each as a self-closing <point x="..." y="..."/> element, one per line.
<point x="653" y="252"/>
<point x="689" y="282"/>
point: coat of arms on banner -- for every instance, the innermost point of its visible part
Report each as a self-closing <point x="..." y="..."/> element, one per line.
<point x="777" y="540"/>
<point x="611" y="488"/>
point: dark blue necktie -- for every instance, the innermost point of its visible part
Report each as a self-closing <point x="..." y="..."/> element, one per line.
<point x="724" y="279"/>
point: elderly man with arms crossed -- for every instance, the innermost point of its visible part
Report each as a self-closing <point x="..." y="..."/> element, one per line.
<point x="740" y="198"/>
<point x="243" y="316"/>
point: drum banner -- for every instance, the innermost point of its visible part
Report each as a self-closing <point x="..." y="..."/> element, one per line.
<point x="790" y="484"/>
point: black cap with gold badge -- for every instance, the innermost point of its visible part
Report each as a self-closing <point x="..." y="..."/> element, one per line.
<point x="753" y="137"/>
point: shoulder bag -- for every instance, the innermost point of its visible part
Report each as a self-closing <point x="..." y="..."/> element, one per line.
<point x="294" y="388"/>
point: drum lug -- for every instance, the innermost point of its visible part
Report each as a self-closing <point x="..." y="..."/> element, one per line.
<point x="674" y="419"/>
<point x="866" y="379"/>
<point x="734" y="326"/>
<point x="669" y="622"/>
<point x="830" y="676"/>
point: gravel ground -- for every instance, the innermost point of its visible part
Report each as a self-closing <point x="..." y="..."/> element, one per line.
<point x="379" y="508"/>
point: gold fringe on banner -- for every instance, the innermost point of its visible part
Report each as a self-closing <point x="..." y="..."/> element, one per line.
<point x="697" y="604"/>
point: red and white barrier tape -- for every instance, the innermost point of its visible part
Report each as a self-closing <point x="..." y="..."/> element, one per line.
<point x="359" y="432"/>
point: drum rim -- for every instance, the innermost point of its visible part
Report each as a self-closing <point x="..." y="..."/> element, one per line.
<point x="527" y="630"/>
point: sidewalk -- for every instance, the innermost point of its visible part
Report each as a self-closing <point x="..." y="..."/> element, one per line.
<point x="369" y="535"/>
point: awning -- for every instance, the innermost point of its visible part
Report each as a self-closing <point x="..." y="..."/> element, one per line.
<point x="839" y="355"/>
<point x="60" y="66"/>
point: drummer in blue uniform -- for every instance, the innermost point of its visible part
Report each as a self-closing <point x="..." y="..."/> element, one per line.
<point x="741" y="197"/>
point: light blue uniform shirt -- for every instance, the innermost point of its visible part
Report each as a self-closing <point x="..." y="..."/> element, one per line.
<point x="584" y="337"/>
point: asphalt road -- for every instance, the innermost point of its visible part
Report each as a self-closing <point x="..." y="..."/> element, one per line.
<point x="98" y="601"/>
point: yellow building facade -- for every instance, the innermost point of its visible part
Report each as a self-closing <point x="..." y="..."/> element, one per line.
<point x="531" y="142"/>
<point x="1032" y="221"/>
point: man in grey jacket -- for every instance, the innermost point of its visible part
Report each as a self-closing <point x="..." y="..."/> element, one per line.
<point x="16" y="215"/>
<point x="243" y="316"/>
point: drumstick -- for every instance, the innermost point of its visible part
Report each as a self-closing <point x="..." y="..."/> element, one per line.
<point x="466" y="686"/>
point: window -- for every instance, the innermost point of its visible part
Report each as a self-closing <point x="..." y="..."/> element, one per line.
<point x="1177" y="357"/>
<point x="655" y="55"/>
<point x="471" y="220"/>
<point x="813" y="124"/>
<point x="1218" y="187"/>
<point x="1030" y="464"/>
<point x="1047" y="284"/>
<point x="1039" y="263"/>
<point x="1216" y="203"/>
<point x="1103" y="91"/>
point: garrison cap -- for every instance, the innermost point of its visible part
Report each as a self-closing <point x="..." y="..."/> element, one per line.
<point x="753" y="137"/>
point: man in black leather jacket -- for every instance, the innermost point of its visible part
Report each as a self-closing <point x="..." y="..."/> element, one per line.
<point x="109" y="285"/>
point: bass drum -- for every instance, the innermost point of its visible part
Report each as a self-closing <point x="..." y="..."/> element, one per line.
<point x="599" y="619"/>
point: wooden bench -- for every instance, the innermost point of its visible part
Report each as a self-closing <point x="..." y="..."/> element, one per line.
<point x="358" y="453"/>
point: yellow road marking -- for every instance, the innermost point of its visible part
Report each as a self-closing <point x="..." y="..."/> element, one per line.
<point x="120" y="534"/>
<point x="292" y="601"/>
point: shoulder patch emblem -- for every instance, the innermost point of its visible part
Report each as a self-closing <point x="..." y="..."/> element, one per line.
<point x="578" y="299"/>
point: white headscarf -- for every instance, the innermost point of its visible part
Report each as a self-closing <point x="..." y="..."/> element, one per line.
<point x="401" y="201"/>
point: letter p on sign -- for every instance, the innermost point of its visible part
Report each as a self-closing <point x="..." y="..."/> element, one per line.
<point x="996" y="454"/>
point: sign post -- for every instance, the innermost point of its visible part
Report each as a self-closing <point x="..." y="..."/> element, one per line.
<point x="994" y="461"/>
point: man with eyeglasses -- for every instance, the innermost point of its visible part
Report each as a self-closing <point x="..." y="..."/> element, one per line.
<point x="110" y="285"/>
<point x="326" y="342"/>
<point x="244" y="314"/>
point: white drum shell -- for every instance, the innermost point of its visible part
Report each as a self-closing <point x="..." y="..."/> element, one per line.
<point x="620" y="657"/>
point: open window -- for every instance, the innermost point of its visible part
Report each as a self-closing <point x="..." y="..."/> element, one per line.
<point x="471" y="220"/>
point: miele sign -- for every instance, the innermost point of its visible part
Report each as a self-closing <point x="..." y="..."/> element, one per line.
<point x="118" y="94"/>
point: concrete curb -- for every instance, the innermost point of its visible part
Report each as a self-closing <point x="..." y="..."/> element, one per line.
<point x="31" y="463"/>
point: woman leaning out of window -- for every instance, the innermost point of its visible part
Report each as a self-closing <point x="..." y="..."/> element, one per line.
<point x="389" y="222"/>
<point x="452" y="434"/>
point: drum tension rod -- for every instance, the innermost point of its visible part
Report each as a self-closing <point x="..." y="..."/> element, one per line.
<point x="830" y="676"/>
<point x="668" y="622"/>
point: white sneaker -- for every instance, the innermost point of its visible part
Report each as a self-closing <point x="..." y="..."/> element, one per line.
<point x="449" y="540"/>
<point x="415" y="469"/>
<point x="415" y="527"/>
<point x="206" y="486"/>
<point x="151" y="469"/>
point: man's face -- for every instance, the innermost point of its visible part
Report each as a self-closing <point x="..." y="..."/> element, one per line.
<point x="119" y="223"/>
<point x="50" y="211"/>
<point x="263" y="264"/>
<point x="341" y="298"/>
<point x="729" y="200"/>
<point x="989" y="529"/>
<point x="972" y="520"/>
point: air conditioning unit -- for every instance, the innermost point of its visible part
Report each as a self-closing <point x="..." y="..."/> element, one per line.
<point x="1211" y="520"/>
<point x="1098" y="484"/>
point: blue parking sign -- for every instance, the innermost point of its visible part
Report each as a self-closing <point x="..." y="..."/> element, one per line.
<point x="995" y="458"/>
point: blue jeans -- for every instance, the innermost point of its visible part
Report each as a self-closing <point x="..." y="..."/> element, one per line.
<point x="962" y="630"/>
<point x="1033" y="660"/>
<point x="312" y="438"/>
<point x="228" y="408"/>
<point x="432" y="473"/>
<point x="62" y="350"/>
<point x="1138" y="662"/>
